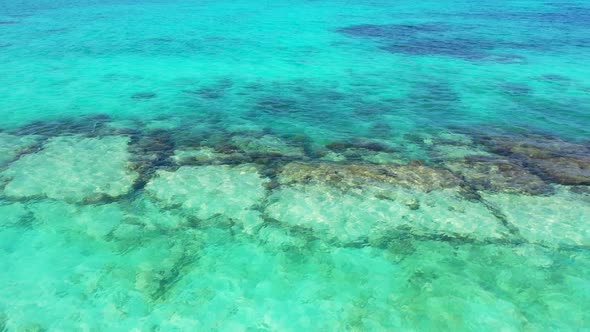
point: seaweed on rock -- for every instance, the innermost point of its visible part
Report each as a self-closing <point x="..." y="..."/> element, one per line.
<point x="351" y="175"/>
<point x="498" y="174"/>
<point x="552" y="158"/>
<point x="150" y="151"/>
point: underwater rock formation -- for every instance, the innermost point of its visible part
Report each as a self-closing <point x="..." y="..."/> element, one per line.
<point x="559" y="219"/>
<point x="560" y="161"/>
<point x="74" y="169"/>
<point x="11" y="146"/>
<point x="498" y="174"/>
<point x="572" y="170"/>
<point x="370" y="214"/>
<point x="267" y="145"/>
<point x="150" y="151"/>
<point x="350" y="175"/>
<point x="212" y="191"/>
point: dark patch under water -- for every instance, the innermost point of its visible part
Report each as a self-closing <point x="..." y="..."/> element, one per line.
<point x="90" y="125"/>
<point x="151" y="151"/>
<point x="442" y="39"/>
<point x="527" y="164"/>
<point x="433" y="98"/>
<point x="216" y="90"/>
<point x="559" y="15"/>
<point x="555" y="78"/>
<point x="144" y="95"/>
<point x="391" y="31"/>
<point x="516" y="88"/>
<point x="277" y="105"/>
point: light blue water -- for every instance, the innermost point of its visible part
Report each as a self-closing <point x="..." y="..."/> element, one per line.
<point x="289" y="165"/>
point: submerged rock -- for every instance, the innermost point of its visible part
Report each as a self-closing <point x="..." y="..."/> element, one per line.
<point x="532" y="146"/>
<point x="498" y="174"/>
<point x="151" y="151"/>
<point x="11" y="146"/>
<point x="573" y="170"/>
<point x="212" y="191"/>
<point x="267" y="145"/>
<point x="209" y="155"/>
<point x="146" y="213"/>
<point x="363" y="155"/>
<point x="449" y="152"/>
<point x="357" y="216"/>
<point x="560" y="219"/>
<point x="560" y="161"/>
<point x="188" y="155"/>
<point x="359" y="144"/>
<point x="73" y="169"/>
<point x="350" y="175"/>
<point x="362" y="150"/>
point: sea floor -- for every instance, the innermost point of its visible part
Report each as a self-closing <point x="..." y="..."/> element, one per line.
<point x="294" y="165"/>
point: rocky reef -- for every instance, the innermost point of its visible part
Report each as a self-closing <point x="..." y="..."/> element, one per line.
<point x="552" y="158"/>
<point x="415" y="175"/>
<point x="353" y="192"/>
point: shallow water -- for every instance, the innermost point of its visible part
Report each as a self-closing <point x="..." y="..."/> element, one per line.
<point x="292" y="165"/>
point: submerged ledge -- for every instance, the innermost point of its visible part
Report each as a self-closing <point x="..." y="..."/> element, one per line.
<point x="357" y="192"/>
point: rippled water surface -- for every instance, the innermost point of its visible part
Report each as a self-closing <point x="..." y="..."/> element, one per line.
<point x="294" y="165"/>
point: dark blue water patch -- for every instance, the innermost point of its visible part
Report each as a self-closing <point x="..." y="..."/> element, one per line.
<point x="277" y="105"/>
<point x="381" y="130"/>
<point x="505" y="58"/>
<point x="440" y="39"/>
<point x="579" y="16"/>
<point x="57" y="30"/>
<point x="213" y="91"/>
<point x="456" y="47"/>
<point x="8" y="22"/>
<point x="88" y="125"/>
<point x="561" y="16"/>
<point x="555" y="78"/>
<point x="561" y="4"/>
<point x="515" y="89"/>
<point x="20" y="15"/>
<point x="366" y="110"/>
<point x="206" y="93"/>
<point x="433" y="97"/>
<point x="144" y="95"/>
<point x="390" y="31"/>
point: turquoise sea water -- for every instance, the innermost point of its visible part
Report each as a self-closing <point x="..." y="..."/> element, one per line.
<point x="294" y="165"/>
